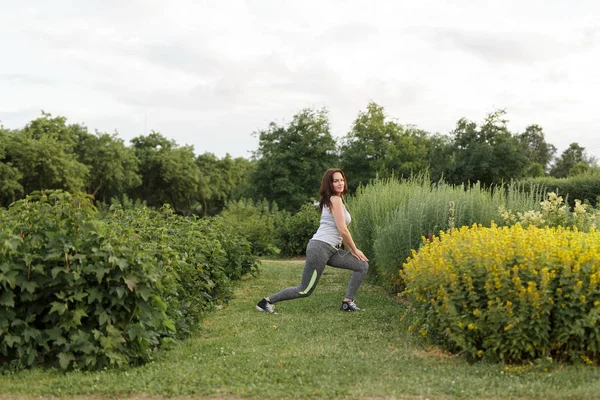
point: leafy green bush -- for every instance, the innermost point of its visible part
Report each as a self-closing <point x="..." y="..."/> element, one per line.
<point x="92" y="290"/>
<point x="510" y="293"/>
<point x="200" y="256"/>
<point x="294" y="231"/>
<point x="585" y="187"/>
<point x="74" y="290"/>
<point x="255" y="221"/>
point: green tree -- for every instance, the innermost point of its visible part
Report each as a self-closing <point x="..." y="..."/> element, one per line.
<point x="113" y="166"/>
<point x="579" y="169"/>
<point x="10" y="176"/>
<point x="290" y="161"/>
<point x="441" y="157"/>
<point x="489" y="154"/>
<point x="572" y="156"/>
<point x="538" y="150"/>
<point x="243" y="169"/>
<point x="43" y="151"/>
<point x="535" y="170"/>
<point x="379" y="147"/>
<point x="409" y="152"/>
<point x="221" y="180"/>
<point x="181" y="177"/>
<point x="169" y="173"/>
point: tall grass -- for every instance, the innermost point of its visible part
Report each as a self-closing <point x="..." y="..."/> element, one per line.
<point x="370" y="209"/>
<point x="391" y="217"/>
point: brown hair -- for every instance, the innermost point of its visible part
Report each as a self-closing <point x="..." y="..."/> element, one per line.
<point x="327" y="187"/>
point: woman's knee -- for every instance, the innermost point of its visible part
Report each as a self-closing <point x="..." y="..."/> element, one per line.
<point x="365" y="267"/>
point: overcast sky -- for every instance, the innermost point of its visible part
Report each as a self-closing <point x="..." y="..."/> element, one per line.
<point x="209" y="73"/>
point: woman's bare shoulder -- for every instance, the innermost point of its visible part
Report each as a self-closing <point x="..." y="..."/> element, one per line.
<point x="335" y="199"/>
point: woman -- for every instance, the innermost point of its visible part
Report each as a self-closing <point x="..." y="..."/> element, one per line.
<point x="325" y="247"/>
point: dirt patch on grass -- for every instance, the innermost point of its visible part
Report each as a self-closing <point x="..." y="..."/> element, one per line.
<point x="434" y="352"/>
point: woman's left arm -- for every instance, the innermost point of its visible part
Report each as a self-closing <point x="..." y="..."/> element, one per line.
<point x="340" y="223"/>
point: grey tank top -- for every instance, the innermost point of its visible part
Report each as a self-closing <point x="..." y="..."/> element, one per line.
<point x="328" y="231"/>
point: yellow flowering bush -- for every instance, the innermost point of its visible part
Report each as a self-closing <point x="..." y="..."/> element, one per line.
<point x="510" y="293"/>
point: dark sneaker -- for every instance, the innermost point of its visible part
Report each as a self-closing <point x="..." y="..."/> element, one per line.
<point x="349" y="306"/>
<point x="264" y="305"/>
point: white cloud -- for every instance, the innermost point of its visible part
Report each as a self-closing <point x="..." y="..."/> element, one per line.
<point x="506" y="47"/>
<point x="211" y="73"/>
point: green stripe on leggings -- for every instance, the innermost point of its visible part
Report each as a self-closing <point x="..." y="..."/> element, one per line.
<point x="311" y="283"/>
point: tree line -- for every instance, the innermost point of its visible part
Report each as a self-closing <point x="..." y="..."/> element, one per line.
<point x="286" y="168"/>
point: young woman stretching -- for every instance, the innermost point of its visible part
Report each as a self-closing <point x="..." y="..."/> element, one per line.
<point x="325" y="247"/>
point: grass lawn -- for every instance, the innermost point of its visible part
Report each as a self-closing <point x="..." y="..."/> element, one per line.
<point x="308" y="350"/>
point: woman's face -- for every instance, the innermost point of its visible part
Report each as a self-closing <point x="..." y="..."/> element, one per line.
<point x="338" y="183"/>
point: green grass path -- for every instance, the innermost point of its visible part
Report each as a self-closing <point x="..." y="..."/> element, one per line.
<point x="308" y="350"/>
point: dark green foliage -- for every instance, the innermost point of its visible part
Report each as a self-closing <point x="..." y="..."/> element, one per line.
<point x="272" y="232"/>
<point x="255" y="221"/>
<point x="290" y="161"/>
<point x="379" y="147"/>
<point x="199" y="259"/>
<point x="222" y="180"/>
<point x="169" y="173"/>
<point x="113" y="166"/>
<point x="82" y="290"/>
<point x="584" y="187"/>
<point x="44" y="154"/>
<point x="294" y="231"/>
<point x="489" y="154"/>
<point x="539" y="152"/>
<point x="9" y="175"/>
<point x="75" y="291"/>
<point x="286" y="168"/>
<point x="569" y="159"/>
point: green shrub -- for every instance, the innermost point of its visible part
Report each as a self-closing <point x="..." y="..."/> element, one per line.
<point x="256" y="222"/>
<point x="294" y="231"/>
<point x="585" y="187"/>
<point x="199" y="257"/>
<point x="73" y="290"/>
<point x="84" y="290"/>
<point x="512" y="293"/>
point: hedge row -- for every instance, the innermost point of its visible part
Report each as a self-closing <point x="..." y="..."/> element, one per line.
<point x="584" y="187"/>
<point x="80" y="289"/>
<point x="272" y="232"/>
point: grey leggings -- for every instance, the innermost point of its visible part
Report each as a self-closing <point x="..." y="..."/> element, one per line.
<point x="318" y="255"/>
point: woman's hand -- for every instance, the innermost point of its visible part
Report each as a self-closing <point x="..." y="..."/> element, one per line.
<point x="359" y="254"/>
